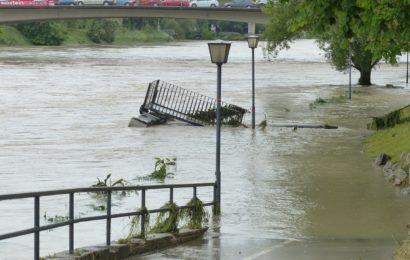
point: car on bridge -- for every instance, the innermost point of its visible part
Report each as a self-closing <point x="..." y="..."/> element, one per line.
<point x="174" y="3"/>
<point x="204" y="3"/>
<point x="126" y="2"/>
<point x="95" y="2"/>
<point x="241" y="4"/>
<point x="27" y="2"/>
<point x="148" y="2"/>
<point x="66" y="2"/>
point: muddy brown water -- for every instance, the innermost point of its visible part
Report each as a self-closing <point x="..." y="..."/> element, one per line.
<point x="64" y="116"/>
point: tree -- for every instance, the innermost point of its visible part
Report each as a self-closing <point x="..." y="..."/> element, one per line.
<point x="43" y="33"/>
<point x="102" y="31"/>
<point x="387" y="24"/>
<point x="338" y="25"/>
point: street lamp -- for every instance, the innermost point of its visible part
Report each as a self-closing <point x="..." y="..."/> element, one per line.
<point x="253" y="43"/>
<point x="219" y="51"/>
<point x="407" y="72"/>
<point x="350" y="69"/>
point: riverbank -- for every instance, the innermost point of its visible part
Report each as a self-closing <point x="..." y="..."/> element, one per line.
<point x="10" y="36"/>
<point x="107" y="31"/>
<point x="390" y="146"/>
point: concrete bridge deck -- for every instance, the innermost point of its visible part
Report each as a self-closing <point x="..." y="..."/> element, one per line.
<point x="27" y="14"/>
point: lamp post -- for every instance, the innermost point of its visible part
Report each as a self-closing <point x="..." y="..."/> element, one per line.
<point x="219" y="52"/>
<point x="253" y="43"/>
<point x="350" y="70"/>
<point x="407" y="72"/>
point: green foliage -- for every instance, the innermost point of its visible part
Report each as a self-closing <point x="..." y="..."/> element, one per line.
<point x="161" y="168"/>
<point x="135" y="227"/>
<point x="43" y="33"/>
<point x="391" y="119"/>
<point x="387" y="24"/>
<point x="263" y="124"/>
<point x="56" y="218"/>
<point x="196" y="214"/>
<point x="373" y="30"/>
<point x="403" y="251"/>
<point x="98" y="207"/>
<point x="232" y="36"/>
<point x="108" y="182"/>
<point x="102" y="31"/>
<point x="320" y="101"/>
<point x="79" y="251"/>
<point x="277" y="31"/>
<point x="230" y="115"/>
<point x="391" y="141"/>
<point x="10" y="36"/>
<point x="167" y="222"/>
<point x="125" y="36"/>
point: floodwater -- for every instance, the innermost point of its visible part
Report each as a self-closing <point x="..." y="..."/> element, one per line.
<point x="309" y="193"/>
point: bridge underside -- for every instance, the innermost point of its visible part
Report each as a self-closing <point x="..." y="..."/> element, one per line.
<point x="27" y="14"/>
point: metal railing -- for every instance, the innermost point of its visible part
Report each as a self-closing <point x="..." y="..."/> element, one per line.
<point x="108" y="216"/>
<point x="188" y="106"/>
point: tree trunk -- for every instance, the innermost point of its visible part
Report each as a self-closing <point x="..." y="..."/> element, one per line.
<point x="365" y="76"/>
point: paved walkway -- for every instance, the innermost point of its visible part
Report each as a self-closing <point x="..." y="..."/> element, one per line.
<point x="232" y="246"/>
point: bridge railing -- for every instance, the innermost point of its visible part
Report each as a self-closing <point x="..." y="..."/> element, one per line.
<point x="37" y="228"/>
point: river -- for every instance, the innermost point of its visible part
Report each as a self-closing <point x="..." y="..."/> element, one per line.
<point x="286" y="194"/>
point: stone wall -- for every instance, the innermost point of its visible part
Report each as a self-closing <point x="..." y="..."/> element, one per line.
<point x="396" y="173"/>
<point x="117" y="251"/>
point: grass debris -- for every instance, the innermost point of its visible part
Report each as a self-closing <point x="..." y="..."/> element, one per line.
<point x="195" y="215"/>
<point x="167" y="221"/>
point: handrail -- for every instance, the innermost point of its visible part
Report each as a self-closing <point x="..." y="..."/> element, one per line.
<point x="96" y="189"/>
<point x="108" y="216"/>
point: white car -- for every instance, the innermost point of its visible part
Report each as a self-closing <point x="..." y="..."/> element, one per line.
<point x="204" y="3"/>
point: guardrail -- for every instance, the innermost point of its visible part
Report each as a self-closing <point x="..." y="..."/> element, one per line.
<point x="108" y="216"/>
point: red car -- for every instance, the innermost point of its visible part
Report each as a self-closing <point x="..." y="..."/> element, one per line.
<point x="148" y="2"/>
<point x="26" y="2"/>
<point x="175" y="3"/>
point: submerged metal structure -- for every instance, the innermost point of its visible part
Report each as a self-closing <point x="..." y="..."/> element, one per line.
<point x="164" y="101"/>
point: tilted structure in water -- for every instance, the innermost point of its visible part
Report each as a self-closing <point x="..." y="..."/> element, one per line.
<point x="164" y="101"/>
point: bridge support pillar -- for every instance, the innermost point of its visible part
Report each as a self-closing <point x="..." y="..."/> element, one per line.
<point x="251" y="28"/>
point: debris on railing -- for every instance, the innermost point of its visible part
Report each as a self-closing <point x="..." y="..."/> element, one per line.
<point x="165" y="101"/>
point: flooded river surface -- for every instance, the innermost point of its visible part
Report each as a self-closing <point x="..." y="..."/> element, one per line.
<point x="309" y="193"/>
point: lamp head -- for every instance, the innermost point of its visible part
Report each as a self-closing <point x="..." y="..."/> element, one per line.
<point x="253" y="41"/>
<point x="219" y="51"/>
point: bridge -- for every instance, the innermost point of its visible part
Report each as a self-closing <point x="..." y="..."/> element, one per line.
<point x="28" y="14"/>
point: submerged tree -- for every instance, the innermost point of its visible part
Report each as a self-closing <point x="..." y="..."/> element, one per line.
<point x="338" y="26"/>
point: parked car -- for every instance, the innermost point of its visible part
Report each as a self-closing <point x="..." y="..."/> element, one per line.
<point x="95" y="2"/>
<point x="149" y="2"/>
<point x="66" y="2"/>
<point x="241" y="4"/>
<point x="174" y="3"/>
<point x="126" y="2"/>
<point x="27" y="2"/>
<point x="262" y="3"/>
<point x="204" y="3"/>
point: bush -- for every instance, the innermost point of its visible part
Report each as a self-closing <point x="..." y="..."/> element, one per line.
<point x="102" y="31"/>
<point x="43" y="33"/>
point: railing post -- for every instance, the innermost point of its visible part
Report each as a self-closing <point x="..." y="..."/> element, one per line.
<point x="215" y="207"/>
<point x="171" y="195"/>
<point x="108" y="235"/>
<point x="143" y="212"/>
<point x="194" y="192"/>
<point x="36" y="226"/>
<point x="71" y="227"/>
